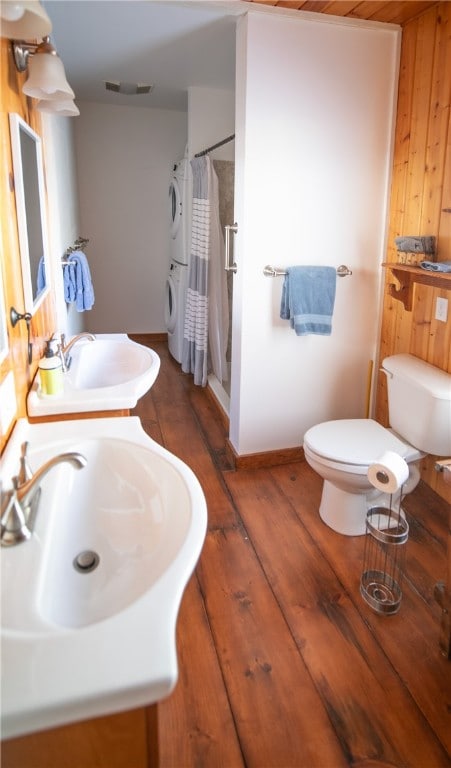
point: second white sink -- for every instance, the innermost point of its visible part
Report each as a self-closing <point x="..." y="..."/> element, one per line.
<point x="109" y="363"/>
<point x="110" y="373"/>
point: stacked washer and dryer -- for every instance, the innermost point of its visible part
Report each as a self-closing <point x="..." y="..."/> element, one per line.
<point x="177" y="280"/>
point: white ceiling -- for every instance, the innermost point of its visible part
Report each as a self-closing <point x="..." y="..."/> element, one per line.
<point x="168" y="43"/>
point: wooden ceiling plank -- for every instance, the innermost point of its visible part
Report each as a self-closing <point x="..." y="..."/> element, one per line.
<point x="316" y="6"/>
<point x="391" y="11"/>
<point x="340" y="7"/>
<point x="365" y="10"/>
<point x="402" y="12"/>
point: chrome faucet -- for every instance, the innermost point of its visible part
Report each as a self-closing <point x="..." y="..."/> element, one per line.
<point x="20" y="505"/>
<point x="64" y="349"/>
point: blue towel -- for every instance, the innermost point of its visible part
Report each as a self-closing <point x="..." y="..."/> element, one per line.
<point x="69" y="282"/>
<point x="40" y="280"/>
<point x="308" y="297"/>
<point x="436" y="266"/>
<point x="79" y="282"/>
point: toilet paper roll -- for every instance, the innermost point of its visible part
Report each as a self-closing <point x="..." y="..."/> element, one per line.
<point x="389" y="473"/>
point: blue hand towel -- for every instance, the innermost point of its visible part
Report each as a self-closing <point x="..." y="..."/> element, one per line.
<point x="308" y="297"/>
<point x="69" y="282"/>
<point x="436" y="266"/>
<point x="40" y="280"/>
<point x="84" y="291"/>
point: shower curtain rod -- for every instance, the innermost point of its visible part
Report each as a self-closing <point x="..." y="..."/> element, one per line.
<point x="215" y="146"/>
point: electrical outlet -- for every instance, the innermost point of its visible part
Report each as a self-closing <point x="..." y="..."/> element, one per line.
<point x="441" y="310"/>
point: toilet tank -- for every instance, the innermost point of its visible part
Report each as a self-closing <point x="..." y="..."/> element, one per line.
<point x="419" y="403"/>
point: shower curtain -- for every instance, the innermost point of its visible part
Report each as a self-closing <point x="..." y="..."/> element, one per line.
<point x="206" y="316"/>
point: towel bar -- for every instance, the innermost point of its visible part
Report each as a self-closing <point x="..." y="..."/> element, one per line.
<point x="269" y="271"/>
<point x="79" y="245"/>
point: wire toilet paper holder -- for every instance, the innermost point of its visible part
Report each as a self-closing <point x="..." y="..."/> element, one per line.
<point x="387" y="532"/>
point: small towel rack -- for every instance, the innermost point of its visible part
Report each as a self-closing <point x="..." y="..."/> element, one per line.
<point x="79" y="245"/>
<point x="342" y="271"/>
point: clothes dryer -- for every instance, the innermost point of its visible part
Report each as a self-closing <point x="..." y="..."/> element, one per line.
<point x="180" y="207"/>
<point x="174" y="307"/>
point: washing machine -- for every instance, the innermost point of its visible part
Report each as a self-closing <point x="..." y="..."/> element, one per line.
<point x="180" y="193"/>
<point x="174" y="307"/>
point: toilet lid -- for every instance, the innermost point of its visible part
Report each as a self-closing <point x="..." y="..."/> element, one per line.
<point x="355" y="441"/>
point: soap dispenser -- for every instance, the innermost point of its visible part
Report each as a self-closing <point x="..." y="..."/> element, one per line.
<point x="51" y="371"/>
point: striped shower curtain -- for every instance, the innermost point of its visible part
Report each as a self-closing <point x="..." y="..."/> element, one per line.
<point x="204" y="278"/>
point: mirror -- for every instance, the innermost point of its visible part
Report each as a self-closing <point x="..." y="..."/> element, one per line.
<point x="31" y="211"/>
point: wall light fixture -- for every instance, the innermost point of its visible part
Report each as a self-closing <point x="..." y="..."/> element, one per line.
<point x="61" y="108"/>
<point x="23" y="19"/>
<point x="46" y="79"/>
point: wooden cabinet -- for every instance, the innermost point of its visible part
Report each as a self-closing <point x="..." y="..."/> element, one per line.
<point x="124" y="740"/>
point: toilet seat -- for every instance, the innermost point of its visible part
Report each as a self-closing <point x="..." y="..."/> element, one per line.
<point x="354" y="444"/>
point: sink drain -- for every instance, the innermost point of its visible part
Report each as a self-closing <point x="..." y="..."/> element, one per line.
<point x="86" y="561"/>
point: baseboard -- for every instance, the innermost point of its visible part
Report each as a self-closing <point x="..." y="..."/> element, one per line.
<point x="254" y="460"/>
<point x="264" y="459"/>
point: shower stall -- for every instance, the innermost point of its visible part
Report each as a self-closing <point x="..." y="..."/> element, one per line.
<point x="225" y="171"/>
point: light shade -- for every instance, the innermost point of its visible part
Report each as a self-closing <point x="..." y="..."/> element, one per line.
<point x="66" y="108"/>
<point x="23" y="19"/>
<point x="47" y="78"/>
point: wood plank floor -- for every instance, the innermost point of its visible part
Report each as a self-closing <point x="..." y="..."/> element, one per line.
<point x="282" y="664"/>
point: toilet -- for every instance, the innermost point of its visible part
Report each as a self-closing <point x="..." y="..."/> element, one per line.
<point x="341" y="451"/>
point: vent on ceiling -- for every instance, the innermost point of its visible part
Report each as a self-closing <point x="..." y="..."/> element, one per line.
<point x="130" y="89"/>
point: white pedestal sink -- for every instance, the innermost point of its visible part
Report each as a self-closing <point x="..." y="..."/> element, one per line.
<point x="110" y="373"/>
<point x="77" y="643"/>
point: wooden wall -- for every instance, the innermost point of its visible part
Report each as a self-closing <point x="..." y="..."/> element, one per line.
<point x="43" y="323"/>
<point x="421" y="198"/>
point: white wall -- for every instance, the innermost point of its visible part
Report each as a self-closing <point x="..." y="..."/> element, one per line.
<point x="315" y="109"/>
<point x="211" y="118"/>
<point x="124" y="160"/>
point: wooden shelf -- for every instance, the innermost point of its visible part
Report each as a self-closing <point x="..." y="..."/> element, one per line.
<point x="407" y="275"/>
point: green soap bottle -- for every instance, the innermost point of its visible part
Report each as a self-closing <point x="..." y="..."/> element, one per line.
<point x="51" y="373"/>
